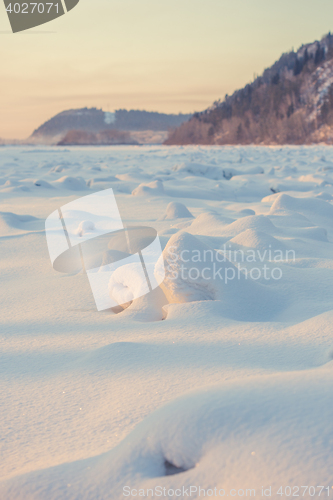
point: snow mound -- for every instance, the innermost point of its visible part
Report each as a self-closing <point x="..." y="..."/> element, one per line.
<point x="257" y="239"/>
<point x="232" y="426"/>
<point x="43" y="184"/>
<point x="154" y="188"/>
<point x="71" y="183"/>
<point x="126" y="283"/>
<point x="9" y="220"/>
<point x="196" y="272"/>
<point x="85" y="227"/>
<point x="176" y="210"/>
<point x="290" y="219"/>
<point x="101" y="180"/>
<point x="213" y="172"/>
<point x="13" y="186"/>
<point x="286" y="170"/>
<point x="198" y="169"/>
<point x="313" y="179"/>
<point x="58" y="169"/>
<point x="147" y="308"/>
<point x="186" y="286"/>
<point x="256" y="222"/>
<point x="11" y="183"/>
<point x="213" y="438"/>
<point x="246" y="211"/>
<point x="209" y="223"/>
<point x="305" y="206"/>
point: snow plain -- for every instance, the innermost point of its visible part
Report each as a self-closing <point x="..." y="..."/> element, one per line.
<point x="221" y="379"/>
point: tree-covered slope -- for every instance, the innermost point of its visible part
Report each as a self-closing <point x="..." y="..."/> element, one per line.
<point x="290" y="103"/>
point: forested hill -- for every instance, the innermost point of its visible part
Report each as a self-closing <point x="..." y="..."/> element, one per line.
<point x="290" y="103"/>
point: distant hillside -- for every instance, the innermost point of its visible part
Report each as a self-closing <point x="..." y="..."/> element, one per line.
<point x="95" y="120"/>
<point x="290" y="103"/>
<point x="106" y="137"/>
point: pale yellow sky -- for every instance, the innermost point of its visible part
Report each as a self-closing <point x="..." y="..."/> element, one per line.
<point x="174" y="56"/>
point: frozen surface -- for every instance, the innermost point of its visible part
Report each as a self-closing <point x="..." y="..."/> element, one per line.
<point x="222" y="377"/>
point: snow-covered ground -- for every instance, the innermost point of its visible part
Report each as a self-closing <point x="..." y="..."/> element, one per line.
<point x="222" y="379"/>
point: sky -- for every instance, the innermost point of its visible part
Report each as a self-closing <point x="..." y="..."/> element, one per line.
<point x="169" y="56"/>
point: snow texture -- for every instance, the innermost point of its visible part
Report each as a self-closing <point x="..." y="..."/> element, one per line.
<point x="219" y="378"/>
